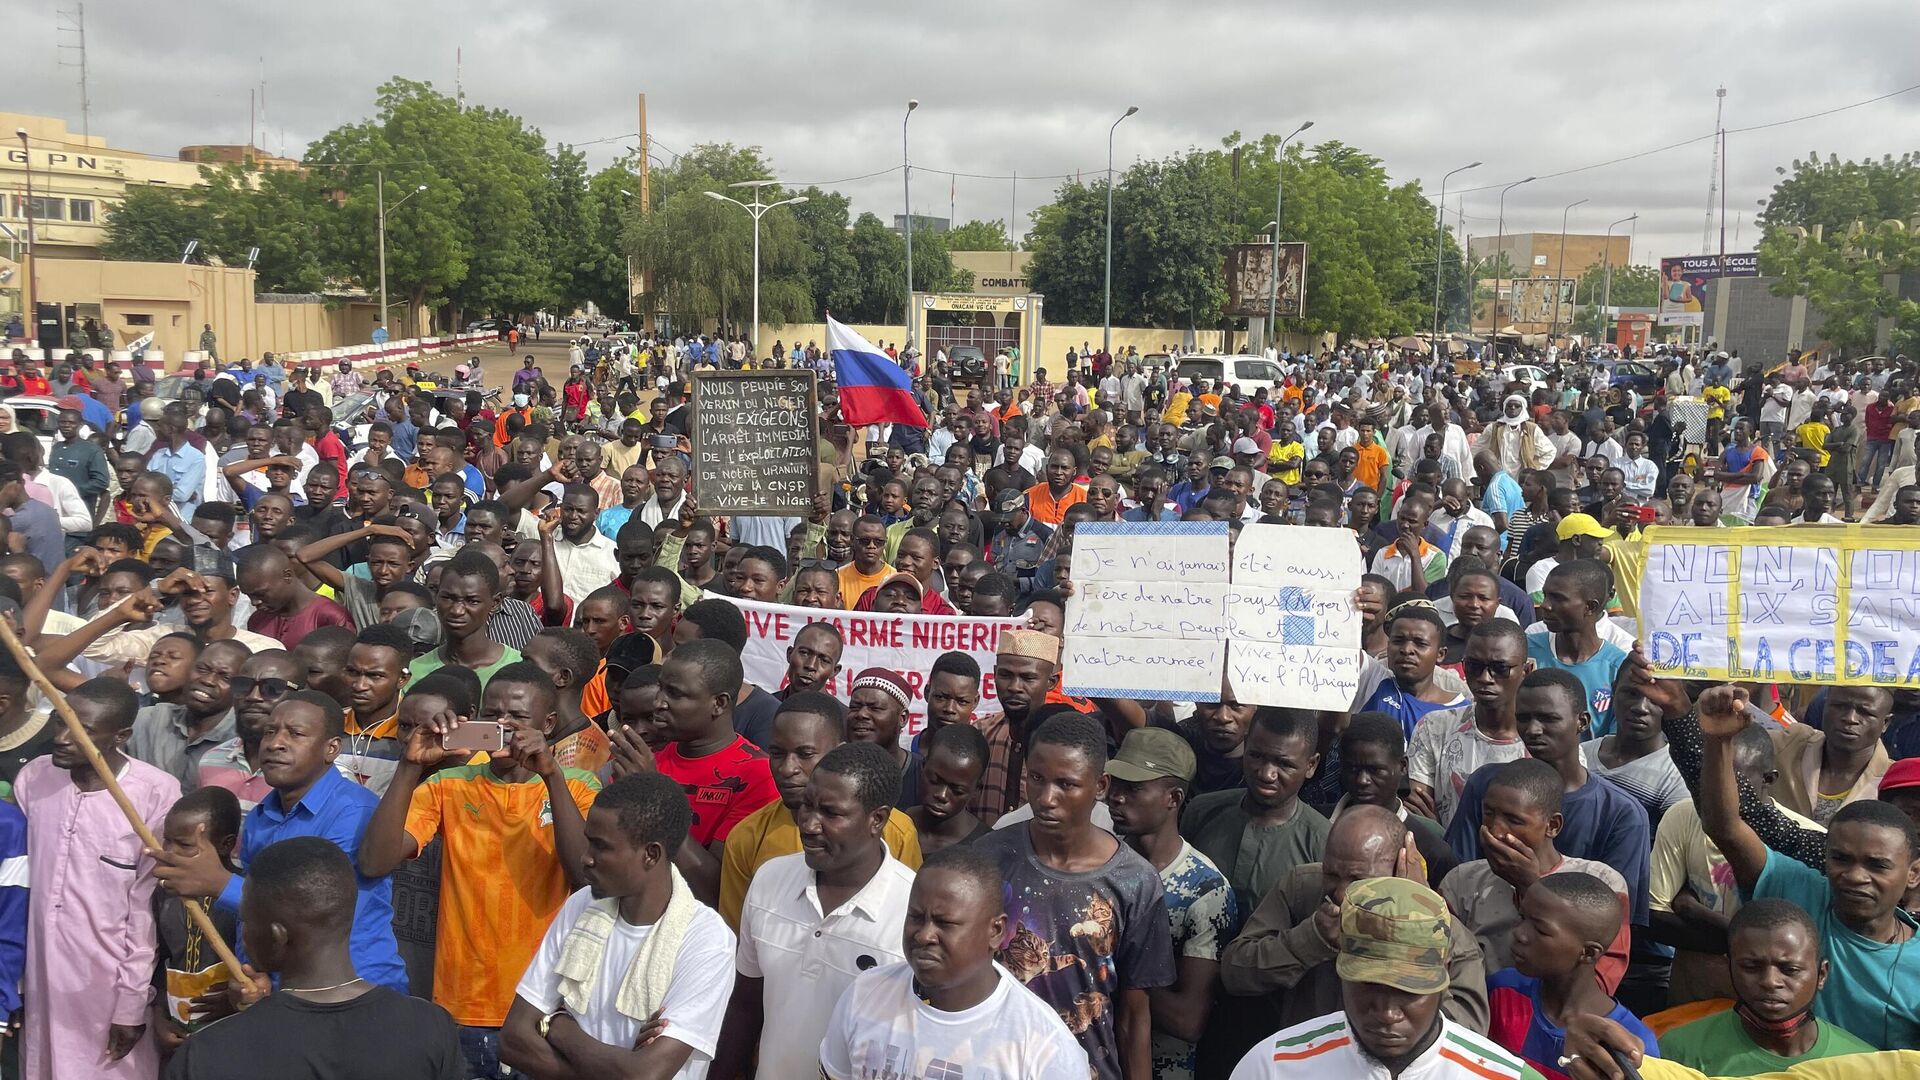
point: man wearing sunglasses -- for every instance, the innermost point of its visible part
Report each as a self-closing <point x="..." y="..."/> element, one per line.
<point x="264" y="680"/>
<point x="1449" y="744"/>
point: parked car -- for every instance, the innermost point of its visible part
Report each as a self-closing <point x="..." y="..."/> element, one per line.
<point x="36" y="414"/>
<point x="1644" y="378"/>
<point x="969" y="363"/>
<point x="1246" y="373"/>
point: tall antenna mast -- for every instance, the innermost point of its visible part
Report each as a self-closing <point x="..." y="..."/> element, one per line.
<point x="252" y="145"/>
<point x="75" y="23"/>
<point x="459" y="87"/>
<point x="1713" y="171"/>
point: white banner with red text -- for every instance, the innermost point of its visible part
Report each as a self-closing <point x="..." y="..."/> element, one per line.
<point x="906" y="644"/>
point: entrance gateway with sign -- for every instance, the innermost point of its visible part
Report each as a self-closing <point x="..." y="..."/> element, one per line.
<point x="971" y="328"/>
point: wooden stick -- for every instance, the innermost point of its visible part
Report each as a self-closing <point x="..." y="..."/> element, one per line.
<point x="194" y="911"/>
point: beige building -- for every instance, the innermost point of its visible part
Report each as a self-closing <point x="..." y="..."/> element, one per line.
<point x="1538" y="254"/>
<point x="996" y="273"/>
<point x="77" y="180"/>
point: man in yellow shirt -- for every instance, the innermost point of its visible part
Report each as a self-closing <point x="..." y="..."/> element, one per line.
<point x="808" y="725"/>
<point x="869" y="566"/>
<point x="1813" y="435"/>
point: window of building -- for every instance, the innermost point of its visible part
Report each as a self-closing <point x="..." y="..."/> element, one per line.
<point x="44" y="207"/>
<point x="79" y="209"/>
<point x="138" y="320"/>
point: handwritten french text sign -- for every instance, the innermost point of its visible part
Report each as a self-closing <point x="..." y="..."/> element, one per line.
<point x="1189" y="552"/>
<point x="1297" y="556"/>
<point x="1167" y="669"/>
<point x="1300" y="676"/>
<point x="1148" y="614"/>
<point x="1147" y="610"/>
<point x="1295" y="633"/>
<point x="1833" y="605"/>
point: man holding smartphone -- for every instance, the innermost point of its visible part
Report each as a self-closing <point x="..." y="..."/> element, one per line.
<point x="515" y="846"/>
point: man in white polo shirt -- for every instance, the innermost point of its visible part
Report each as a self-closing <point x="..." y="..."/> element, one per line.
<point x="811" y="922"/>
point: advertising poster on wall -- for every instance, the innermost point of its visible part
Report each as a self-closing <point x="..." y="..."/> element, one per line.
<point x="1683" y="284"/>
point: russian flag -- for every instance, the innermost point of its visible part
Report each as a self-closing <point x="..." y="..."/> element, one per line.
<point x="873" y="389"/>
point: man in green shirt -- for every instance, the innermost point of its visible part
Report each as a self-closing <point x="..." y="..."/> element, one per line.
<point x="468" y="595"/>
<point x="1257" y="833"/>
<point x="1775" y="960"/>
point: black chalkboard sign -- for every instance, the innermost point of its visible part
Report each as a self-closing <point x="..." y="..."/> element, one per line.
<point x="753" y="442"/>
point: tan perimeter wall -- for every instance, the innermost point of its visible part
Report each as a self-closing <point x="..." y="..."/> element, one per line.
<point x="1054" y="341"/>
<point x="175" y="301"/>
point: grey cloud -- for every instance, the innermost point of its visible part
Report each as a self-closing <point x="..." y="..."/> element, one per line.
<point x="1032" y="87"/>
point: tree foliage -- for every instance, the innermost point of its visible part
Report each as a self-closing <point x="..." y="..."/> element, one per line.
<point x="1834" y="230"/>
<point x="1370" y="262"/>
<point x="979" y="235"/>
<point x="153" y="225"/>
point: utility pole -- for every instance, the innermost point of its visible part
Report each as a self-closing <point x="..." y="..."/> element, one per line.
<point x="1273" y="279"/>
<point x="1439" y="239"/>
<point x="906" y="182"/>
<point x="33" y="263"/>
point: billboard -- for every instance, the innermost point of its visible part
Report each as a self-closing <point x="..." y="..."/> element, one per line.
<point x="1531" y="300"/>
<point x="1683" y="284"/>
<point x="1250" y="280"/>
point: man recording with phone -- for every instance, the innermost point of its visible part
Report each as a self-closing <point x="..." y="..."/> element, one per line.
<point x="515" y="845"/>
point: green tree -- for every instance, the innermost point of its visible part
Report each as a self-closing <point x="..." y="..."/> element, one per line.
<point x="698" y="250"/>
<point x="1068" y="241"/>
<point x="832" y="271"/>
<point x="599" y="269"/>
<point x="1633" y="286"/>
<point x="154" y="225"/>
<point x="1834" y="231"/>
<point x="979" y="235"/>
<point x="272" y="210"/>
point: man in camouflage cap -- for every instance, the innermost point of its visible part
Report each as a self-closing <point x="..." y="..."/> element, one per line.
<point x="1393" y="972"/>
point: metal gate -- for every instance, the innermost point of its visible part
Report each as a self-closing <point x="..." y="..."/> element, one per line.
<point x="988" y="339"/>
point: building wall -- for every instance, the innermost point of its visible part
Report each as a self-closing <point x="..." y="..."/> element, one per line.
<point x="1759" y="325"/>
<point x="89" y="178"/>
<point x="1527" y="250"/>
<point x="175" y="302"/>
<point x="996" y="273"/>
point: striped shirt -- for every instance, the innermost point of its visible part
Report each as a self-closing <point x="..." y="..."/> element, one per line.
<point x="1324" y="1048"/>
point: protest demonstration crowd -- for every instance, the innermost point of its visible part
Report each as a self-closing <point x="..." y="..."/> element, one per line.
<point x="476" y="739"/>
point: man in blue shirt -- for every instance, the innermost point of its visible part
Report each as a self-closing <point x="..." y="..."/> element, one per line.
<point x="1601" y="822"/>
<point x="1199" y="482"/>
<point x="1872" y="859"/>
<point x="300" y="740"/>
<point x="1500" y="495"/>
<point x="176" y="459"/>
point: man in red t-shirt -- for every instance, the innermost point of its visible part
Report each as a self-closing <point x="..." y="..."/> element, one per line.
<point x="725" y="776"/>
<point x="318" y="421"/>
<point x="283" y="606"/>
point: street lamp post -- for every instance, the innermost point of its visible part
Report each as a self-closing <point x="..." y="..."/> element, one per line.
<point x="32" y="322"/>
<point x="757" y="210"/>
<point x="1439" y="242"/>
<point x="1106" y="320"/>
<point x="1559" y="271"/>
<point x="1606" y="261"/>
<point x="1273" y="283"/>
<point x="906" y="182"/>
<point x="380" y="202"/>
<point x="1499" y="250"/>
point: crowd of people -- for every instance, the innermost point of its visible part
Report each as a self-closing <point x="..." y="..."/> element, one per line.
<point x="435" y="693"/>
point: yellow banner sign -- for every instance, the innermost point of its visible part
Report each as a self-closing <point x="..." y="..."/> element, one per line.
<point x="969" y="302"/>
<point x="1830" y="604"/>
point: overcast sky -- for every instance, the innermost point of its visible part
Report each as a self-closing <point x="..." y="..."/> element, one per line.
<point x="1031" y="87"/>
